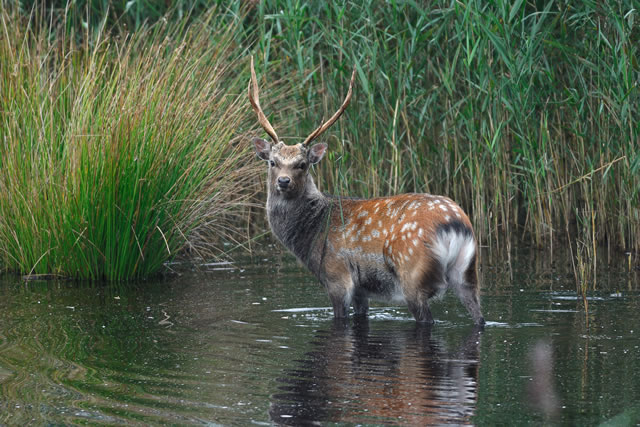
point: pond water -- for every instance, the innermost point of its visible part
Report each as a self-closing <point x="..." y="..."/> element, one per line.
<point x="253" y="342"/>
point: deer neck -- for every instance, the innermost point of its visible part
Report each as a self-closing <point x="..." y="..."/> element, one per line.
<point x="300" y="223"/>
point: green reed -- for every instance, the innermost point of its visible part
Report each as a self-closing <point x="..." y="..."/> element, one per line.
<point x="118" y="152"/>
<point x="508" y="107"/>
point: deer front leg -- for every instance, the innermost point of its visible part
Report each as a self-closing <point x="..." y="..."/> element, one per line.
<point x="339" y="285"/>
<point x="360" y="304"/>
<point x="340" y="293"/>
<point x="340" y="309"/>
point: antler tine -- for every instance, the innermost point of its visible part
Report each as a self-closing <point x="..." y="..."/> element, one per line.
<point x="323" y="127"/>
<point x="254" y="98"/>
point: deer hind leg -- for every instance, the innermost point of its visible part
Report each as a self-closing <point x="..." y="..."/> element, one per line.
<point x="419" y="308"/>
<point x="467" y="289"/>
<point x="421" y="284"/>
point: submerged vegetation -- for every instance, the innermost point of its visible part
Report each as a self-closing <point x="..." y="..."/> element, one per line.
<point x="117" y="146"/>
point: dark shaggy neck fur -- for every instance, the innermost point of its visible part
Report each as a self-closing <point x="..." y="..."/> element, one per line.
<point x="300" y="223"/>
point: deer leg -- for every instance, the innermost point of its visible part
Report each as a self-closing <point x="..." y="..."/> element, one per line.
<point x="360" y="304"/>
<point x="468" y="294"/>
<point x="340" y="306"/>
<point x="420" y="310"/>
<point x="340" y="295"/>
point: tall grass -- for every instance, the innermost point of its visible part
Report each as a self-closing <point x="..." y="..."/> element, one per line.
<point x="116" y="153"/>
<point x="525" y="112"/>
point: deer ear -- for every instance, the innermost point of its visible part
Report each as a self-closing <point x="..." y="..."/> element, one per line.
<point x="316" y="152"/>
<point x="263" y="148"/>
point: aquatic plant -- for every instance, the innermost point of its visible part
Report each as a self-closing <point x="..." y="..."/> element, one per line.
<point x="117" y="153"/>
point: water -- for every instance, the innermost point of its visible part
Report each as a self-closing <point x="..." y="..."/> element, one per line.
<point x="253" y="342"/>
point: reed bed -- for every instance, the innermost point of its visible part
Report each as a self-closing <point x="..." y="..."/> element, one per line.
<point x="118" y="152"/>
<point x="527" y="113"/>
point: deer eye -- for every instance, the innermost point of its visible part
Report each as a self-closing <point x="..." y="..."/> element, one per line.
<point x="302" y="165"/>
<point x="272" y="163"/>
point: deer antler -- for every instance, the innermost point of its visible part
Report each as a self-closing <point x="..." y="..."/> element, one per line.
<point x="254" y="98"/>
<point x="316" y="133"/>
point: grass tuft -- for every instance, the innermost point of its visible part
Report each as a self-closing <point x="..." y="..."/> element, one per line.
<point x="116" y="153"/>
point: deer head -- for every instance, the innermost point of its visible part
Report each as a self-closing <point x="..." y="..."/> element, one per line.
<point x="289" y="164"/>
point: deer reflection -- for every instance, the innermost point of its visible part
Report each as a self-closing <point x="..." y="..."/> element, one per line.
<point x="356" y="375"/>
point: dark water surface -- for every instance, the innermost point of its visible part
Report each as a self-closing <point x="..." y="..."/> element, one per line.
<point x="253" y="342"/>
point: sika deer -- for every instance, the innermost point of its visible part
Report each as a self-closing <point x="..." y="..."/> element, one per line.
<point x="409" y="247"/>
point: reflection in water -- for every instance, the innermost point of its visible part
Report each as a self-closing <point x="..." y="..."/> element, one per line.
<point x="405" y="377"/>
<point x="541" y="389"/>
<point x="73" y="354"/>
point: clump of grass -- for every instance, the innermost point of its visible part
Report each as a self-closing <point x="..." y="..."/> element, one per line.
<point x="115" y="153"/>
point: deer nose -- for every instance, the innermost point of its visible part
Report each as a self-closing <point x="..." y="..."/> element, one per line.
<point x="283" y="181"/>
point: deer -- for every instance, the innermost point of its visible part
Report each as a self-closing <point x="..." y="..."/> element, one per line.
<point x="407" y="248"/>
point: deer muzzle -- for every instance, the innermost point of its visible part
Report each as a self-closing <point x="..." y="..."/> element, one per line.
<point x="283" y="183"/>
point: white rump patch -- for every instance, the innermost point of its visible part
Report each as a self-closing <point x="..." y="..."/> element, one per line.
<point x="455" y="251"/>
